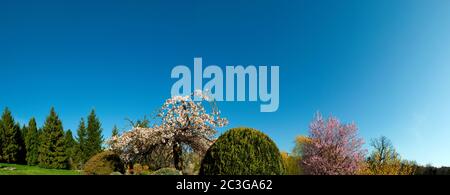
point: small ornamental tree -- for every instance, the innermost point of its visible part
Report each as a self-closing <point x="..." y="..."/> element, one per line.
<point x="183" y="122"/>
<point x="333" y="149"/>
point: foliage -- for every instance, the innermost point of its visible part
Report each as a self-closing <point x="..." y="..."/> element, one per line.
<point x="431" y="170"/>
<point x="291" y="163"/>
<point x="242" y="151"/>
<point x="52" y="150"/>
<point x="191" y="162"/>
<point x="139" y="169"/>
<point x="104" y="163"/>
<point x="167" y="171"/>
<point x="32" y="143"/>
<point x="183" y="123"/>
<point x="384" y="160"/>
<point x="334" y="149"/>
<point x="300" y="142"/>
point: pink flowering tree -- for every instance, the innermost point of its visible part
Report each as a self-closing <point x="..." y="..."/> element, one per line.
<point x="333" y="149"/>
<point x="183" y="122"/>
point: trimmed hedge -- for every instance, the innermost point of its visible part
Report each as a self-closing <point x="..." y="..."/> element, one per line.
<point x="104" y="163"/>
<point x="243" y="151"/>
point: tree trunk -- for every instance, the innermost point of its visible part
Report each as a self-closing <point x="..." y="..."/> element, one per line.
<point x="177" y="156"/>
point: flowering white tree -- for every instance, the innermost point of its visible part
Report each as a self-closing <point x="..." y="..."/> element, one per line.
<point x="183" y="122"/>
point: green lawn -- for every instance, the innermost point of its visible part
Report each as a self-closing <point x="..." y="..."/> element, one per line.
<point x="33" y="170"/>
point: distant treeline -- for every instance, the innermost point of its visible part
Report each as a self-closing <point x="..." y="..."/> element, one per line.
<point x="430" y="170"/>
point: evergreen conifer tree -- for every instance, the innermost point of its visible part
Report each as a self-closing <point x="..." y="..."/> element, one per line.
<point x="94" y="135"/>
<point x="32" y="142"/>
<point x="52" y="150"/>
<point x="11" y="141"/>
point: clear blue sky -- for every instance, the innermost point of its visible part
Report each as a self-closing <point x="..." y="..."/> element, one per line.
<point x="383" y="64"/>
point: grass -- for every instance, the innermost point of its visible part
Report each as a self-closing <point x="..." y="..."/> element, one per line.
<point x="33" y="170"/>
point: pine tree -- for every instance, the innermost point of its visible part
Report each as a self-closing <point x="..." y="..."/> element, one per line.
<point x="115" y="131"/>
<point x="32" y="142"/>
<point x="94" y="135"/>
<point x="11" y="147"/>
<point x="70" y="146"/>
<point x="52" y="151"/>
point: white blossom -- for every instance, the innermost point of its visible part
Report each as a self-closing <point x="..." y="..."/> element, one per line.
<point x="181" y="121"/>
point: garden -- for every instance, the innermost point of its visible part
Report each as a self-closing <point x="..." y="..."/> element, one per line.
<point x="183" y="140"/>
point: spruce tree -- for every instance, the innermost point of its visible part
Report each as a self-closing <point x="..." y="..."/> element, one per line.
<point x="94" y="135"/>
<point x="81" y="156"/>
<point x="52" y="150"/>
<point x="11" y="147"/>
<point x="32" y="142"/>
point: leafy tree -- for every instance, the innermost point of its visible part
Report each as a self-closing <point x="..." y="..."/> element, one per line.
<point x="32" y="143"/>
<point x="12" y="142"/>
<point x="94" y="135"/>
<point x="334" y="149"/>
<point x="52" y="150"/>
<point x="384" y="160"/>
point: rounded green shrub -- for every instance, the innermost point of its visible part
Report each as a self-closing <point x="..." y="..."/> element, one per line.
<point x="242" y="151"/>
<point x="167" y="171"/>
<point x="104" y="163"/>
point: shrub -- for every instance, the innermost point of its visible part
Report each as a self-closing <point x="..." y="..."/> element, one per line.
<point x="167" y="171"/>
<point x="291" y="164"/>
<point x="139" y="169"/>
<point x="104" y="163"/>
<point x="242" y="151"/>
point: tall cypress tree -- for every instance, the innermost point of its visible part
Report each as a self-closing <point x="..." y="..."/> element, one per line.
<point x="32" y="143"/>
<point x="11" y="147"/>
<point x="94" y="135"/>
<point x="52" y="150"/>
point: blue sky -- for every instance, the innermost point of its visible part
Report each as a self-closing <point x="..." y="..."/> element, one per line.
<point x="383" y="64"/>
